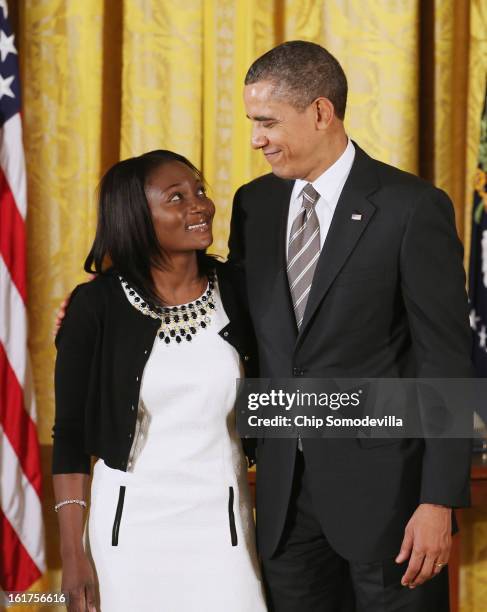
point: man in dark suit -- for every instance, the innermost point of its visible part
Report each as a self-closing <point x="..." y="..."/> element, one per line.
<point x="353" y="269"/>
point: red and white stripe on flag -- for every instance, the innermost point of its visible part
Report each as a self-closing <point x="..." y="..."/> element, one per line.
<point x="21" y="528"/>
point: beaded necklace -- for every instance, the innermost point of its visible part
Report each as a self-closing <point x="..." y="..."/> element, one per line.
<point x="181" y="322"/>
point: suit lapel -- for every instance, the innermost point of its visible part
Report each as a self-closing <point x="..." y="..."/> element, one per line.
<point x="352" y="215"/>
<point x="281" y="200"/>
<point x="279" y="304"/>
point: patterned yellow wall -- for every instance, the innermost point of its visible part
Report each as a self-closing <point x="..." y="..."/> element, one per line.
<point x="103" y="80"/>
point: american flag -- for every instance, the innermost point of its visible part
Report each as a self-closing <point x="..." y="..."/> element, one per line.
<point x="478" y="259"/>
<point x="21" y="529"/>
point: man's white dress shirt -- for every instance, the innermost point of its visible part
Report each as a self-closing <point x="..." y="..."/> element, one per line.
<point x="329" y="185"/>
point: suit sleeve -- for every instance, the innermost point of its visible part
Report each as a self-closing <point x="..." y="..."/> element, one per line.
<point x="236" y="244"/>
<point x="236" y="252"/>
<point x="236" y="260"/>
<point x="75" y="342"/>
<point x="433" y="287"/>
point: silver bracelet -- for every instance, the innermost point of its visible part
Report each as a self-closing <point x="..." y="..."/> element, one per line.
<point x="80" y="502"/>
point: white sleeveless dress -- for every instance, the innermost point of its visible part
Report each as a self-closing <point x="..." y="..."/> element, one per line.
<point x="175" y="533"/>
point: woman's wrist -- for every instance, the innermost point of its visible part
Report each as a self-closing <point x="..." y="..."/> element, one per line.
<point x="72" y="550"/>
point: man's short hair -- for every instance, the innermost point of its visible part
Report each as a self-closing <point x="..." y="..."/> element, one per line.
<point x="302" y="71"/>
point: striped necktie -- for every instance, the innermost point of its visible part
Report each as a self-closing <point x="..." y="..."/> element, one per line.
<point x="303" y="251"/>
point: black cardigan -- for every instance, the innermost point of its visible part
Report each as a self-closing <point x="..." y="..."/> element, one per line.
<point x="102" y="348"/>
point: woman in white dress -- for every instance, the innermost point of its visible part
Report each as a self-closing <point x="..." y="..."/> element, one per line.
<point x="148" y="358"/>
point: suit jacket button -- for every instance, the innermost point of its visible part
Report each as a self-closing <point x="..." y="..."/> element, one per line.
<point x="225" y="334"/>
<point x="246" y="357"/>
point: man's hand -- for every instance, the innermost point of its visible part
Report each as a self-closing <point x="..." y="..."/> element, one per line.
<point x="61" y="313"/>
<point x="427" y="543"/>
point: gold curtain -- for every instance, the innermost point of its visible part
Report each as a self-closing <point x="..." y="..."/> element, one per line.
<point x="107" y="79"/>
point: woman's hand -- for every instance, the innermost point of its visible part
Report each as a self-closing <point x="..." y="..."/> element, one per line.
<point x="79" y="583"/>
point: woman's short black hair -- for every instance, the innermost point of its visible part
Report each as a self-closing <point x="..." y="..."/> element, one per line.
<point x="125" y="235"/>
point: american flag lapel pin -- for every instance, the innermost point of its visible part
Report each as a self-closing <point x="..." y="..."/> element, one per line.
<point x="356" y="217"/>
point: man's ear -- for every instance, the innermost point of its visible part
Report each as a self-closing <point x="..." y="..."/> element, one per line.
<point x="324" y="113"/>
